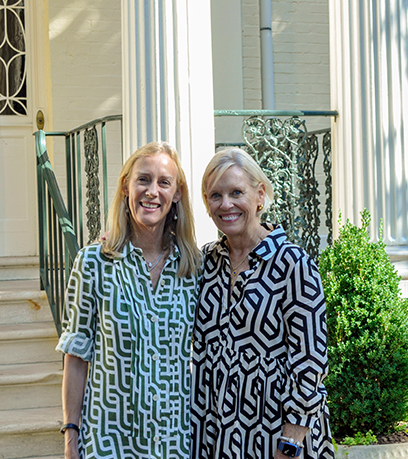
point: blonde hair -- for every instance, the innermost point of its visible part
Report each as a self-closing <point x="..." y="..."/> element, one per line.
<point x="180" y="231"/>
<point x="223" y="160"/>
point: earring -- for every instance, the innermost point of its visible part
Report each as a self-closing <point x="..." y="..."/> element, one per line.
<point x="259" y="208"/>
<point x="175" y="217"/>
<point x="127" y="204"/>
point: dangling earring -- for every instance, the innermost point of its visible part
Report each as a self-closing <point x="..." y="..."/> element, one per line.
<point x="127" y="204"/>
<point x="175" y="217"/>
<point x="259" y="208"/>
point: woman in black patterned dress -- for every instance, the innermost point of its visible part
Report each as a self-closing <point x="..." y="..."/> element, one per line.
<point x="260" y="338"/>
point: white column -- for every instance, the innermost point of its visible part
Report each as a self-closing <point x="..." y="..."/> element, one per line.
<point x="167" y="86"/>
<point x="369" y="87"/>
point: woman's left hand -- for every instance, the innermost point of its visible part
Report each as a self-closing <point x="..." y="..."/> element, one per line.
<point x="292" y="431"/>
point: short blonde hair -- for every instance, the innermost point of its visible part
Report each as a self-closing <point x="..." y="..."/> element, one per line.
<point x="223" y="160"/>
<point x="180" y="231"/>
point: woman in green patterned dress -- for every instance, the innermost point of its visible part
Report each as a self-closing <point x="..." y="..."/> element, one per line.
<point x="130" y="306"/>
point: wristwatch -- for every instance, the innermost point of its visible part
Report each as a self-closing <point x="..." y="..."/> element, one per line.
<point x="289" y="447"/>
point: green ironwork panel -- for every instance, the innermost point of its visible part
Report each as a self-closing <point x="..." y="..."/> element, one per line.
<point x="288" y="155"/>
<point x="93" y="213"/>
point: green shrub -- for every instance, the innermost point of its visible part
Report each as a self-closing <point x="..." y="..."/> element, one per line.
<point x="360" y="439"/>
<point x="367" y="323"/>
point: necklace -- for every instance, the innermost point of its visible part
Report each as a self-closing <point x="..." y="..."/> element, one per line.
<point x="234" y="270"/>
<point x="234" y="273"/>
<point x="152" y="264"/>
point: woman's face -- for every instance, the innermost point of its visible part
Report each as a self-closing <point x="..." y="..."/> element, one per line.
<point x="233" y="202"/>
<point x="152" y="188"/>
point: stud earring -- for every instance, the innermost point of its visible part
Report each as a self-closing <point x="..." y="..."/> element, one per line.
<point x="260" y="207"/>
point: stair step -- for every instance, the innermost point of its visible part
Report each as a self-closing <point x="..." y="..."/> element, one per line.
<point x="23" y="302"/>
<point x="61" y="456"/>
<point x="28" y="343"/>
<point x="19" y="268"/>
<point x="30" y="385"/>
<point x="34" y="430"/>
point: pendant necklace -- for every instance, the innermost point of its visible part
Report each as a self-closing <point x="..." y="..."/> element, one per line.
<point x="234" y="270"/>
<point x="152" y="264"/>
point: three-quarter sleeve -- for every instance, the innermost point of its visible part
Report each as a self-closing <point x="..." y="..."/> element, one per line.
<point x="304" y="314"/>
<point x="77" y="338"/>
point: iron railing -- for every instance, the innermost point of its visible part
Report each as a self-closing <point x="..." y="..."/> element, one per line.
<point x="63" y="229"/>
<point x="289" y="154"/>
<point x="286" y="151"/>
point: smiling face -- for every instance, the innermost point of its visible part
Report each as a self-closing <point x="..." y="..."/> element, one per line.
<point x="152" y="188"/>
<point x="233" y="202"/>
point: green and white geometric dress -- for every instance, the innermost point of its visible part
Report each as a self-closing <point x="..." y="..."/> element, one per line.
<point x="138" y="343"/>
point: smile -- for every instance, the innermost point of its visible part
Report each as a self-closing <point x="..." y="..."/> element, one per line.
<point x="230" y="217"/>
<point x="149" y="205"/>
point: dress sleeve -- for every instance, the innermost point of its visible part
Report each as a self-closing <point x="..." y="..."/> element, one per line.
<point x="77" y="338"/>
<point x="304" y="314"/>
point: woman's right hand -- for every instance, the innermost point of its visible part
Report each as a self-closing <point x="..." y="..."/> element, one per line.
<point x="73" y="386"/>
<point x="71" y="444"/>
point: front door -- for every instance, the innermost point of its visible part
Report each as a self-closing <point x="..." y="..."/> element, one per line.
<point x="21" y="34"/>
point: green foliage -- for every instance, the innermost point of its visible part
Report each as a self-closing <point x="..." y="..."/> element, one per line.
<point x="360" y="439"/>
<point x="367" y="323"/>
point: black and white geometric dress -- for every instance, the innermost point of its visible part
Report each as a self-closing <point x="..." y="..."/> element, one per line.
<point x="259" y="355"/>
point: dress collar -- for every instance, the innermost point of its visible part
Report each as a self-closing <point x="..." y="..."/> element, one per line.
<point x="130" y="248"/>
<point x="265" y="249"/>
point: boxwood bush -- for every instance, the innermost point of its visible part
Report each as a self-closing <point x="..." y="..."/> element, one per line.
<point x="367" y="323"/>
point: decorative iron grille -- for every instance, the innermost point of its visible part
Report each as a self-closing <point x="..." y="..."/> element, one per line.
<point x="13" y="72"/>
<point x="93" y="204"/>
<point x="288" y="154"/>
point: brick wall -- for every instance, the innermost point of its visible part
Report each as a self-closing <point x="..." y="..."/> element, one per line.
<point x="301" y="55"/>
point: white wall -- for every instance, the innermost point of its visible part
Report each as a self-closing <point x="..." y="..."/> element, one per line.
<point x="85" y="50"/>
<point x="227" y="57"/>
<point x="85" y="43"/>
<point x="251" y="51"/>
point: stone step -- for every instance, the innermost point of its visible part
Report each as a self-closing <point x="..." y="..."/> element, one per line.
<point x="60" y="456"/>
<point x="399" y="258"/>
<point x="28" y="343"/>
<point x="19" y="268"/>
<point x="30" y="385"/>
<point x="22" y="301"/>
<point x="31" y="433"/>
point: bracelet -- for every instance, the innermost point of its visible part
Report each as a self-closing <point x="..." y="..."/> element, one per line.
<point x="291" y="440"/>
<point x="69" y="426"/>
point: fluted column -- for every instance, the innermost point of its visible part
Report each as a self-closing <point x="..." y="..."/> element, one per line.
<point x="369" y="87"/>
<point x="167" y="85"/>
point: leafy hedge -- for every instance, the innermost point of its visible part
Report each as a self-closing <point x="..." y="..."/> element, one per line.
<point x="367" y="334"/>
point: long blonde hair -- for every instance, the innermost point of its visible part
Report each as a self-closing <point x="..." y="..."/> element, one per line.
<point x="180" y="231"/>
